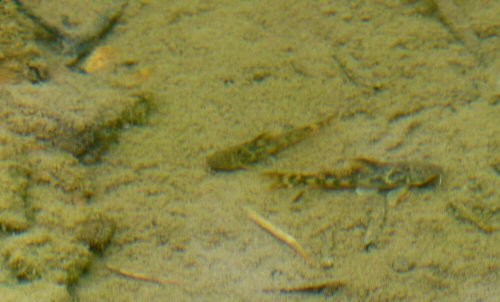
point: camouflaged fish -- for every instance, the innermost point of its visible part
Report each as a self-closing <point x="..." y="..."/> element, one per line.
<point x="364" y="173"/>
<point x="261" y="147"/>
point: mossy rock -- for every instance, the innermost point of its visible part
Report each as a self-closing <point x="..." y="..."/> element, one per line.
<point x="13" y="183"/>
<point x="41" y="254"/>
<point x="20" y="57"/>
<point x="61" y="170"/>
<point x="95" y="230"/>
<point x="77" y="23"/>
<point x="76" y="114"/>
<point x="35" y="291"/>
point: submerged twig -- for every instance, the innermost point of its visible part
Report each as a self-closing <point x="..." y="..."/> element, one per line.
<point x="140" y="277"/>
<point x="316" y="287"/>
<point x="279" y="234"/>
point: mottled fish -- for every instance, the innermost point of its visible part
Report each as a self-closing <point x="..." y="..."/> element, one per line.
<point x="366" y="174"/>
<point x="261" y="147"/>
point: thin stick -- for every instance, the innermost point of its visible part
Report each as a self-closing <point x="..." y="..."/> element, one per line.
<point x="140" y="277"/>
<point x="317" y="287"/>
<point x="278" y="234"/>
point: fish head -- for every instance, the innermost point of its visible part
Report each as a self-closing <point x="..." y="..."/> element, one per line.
<point x="224" y="161"/>
<point x="422" y="174"/>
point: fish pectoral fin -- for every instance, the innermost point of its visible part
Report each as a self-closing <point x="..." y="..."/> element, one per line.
<point x="395" y="196"/>
<point x="365" y="161"/>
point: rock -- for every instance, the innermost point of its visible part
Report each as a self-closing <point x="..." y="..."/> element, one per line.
<point x="20" y="57"/>
<point x="40" y="254"/>
<point x="36" y="291"/>
<point x="73" y="113"/>
<point x="13" y="183"/>
<point x="77" y="22"/>
<point x="61" y="170"/>
<point x="95" y="230"/>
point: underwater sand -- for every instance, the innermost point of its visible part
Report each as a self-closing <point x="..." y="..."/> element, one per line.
<point x="223" y="72"/>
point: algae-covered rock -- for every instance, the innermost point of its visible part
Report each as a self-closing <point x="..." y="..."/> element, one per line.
<point x="59" y="169"/>
<point x="75" y="114"/>
<point x="13" y="184"/>
<point x="40" y="254"/>
<point x="95" y="230"/>
<point x="36" y="291"/>
<point x="77" y="22"/>
<point x="20" y="57"/>
<point x="53" y="208"/>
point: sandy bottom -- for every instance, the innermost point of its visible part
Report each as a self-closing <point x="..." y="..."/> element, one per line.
<point x="409" y="87"/>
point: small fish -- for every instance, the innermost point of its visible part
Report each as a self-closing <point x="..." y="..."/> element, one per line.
<point x="364" y="173"/>
<point x="261" y="147"/>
